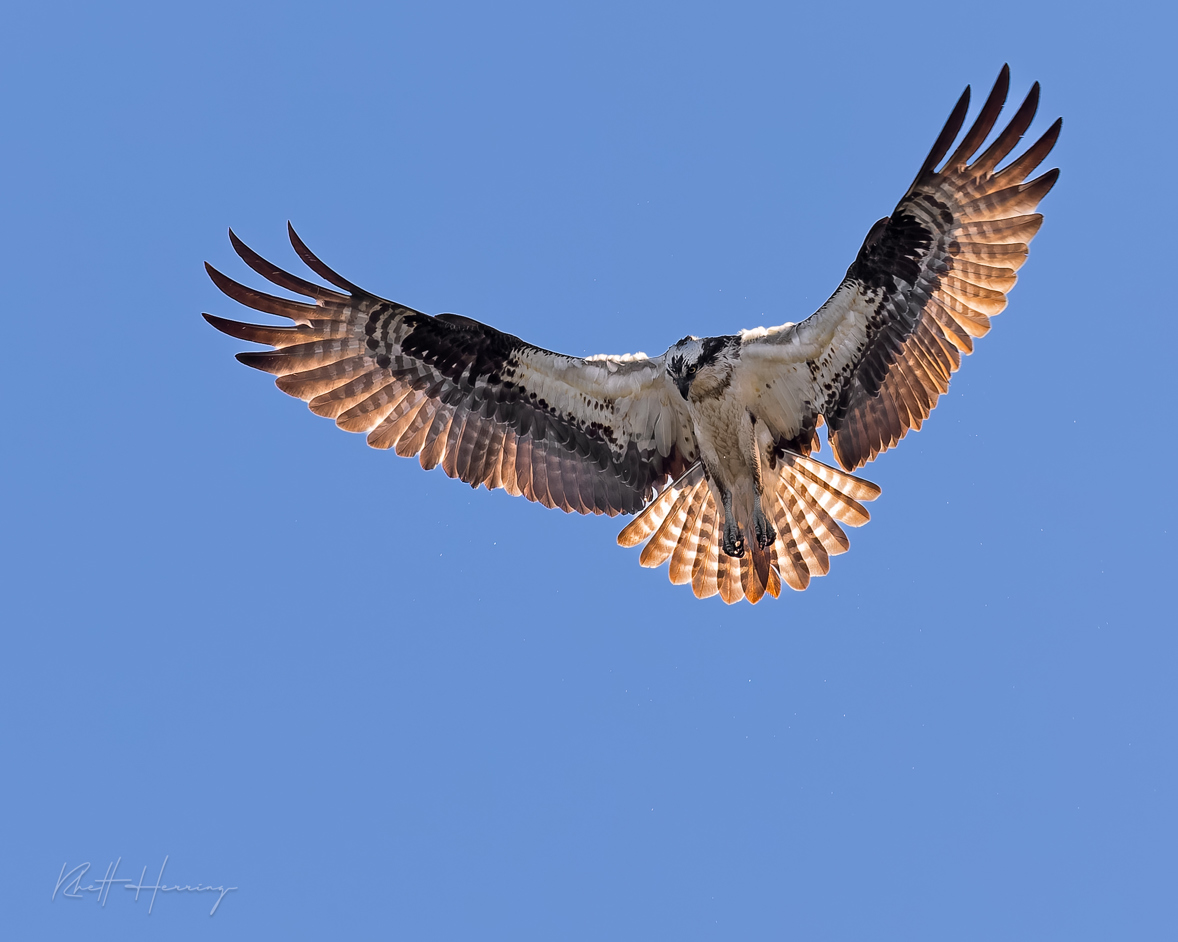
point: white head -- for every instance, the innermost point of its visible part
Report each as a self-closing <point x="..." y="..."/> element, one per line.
<point x="702" y="369"/>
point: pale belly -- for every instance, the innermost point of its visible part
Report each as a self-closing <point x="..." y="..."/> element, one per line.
<point x="724" y="431"/>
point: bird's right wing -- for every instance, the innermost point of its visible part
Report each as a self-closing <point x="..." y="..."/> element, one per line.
<point x="592" y="435"/>
<point x="876" y="357"/>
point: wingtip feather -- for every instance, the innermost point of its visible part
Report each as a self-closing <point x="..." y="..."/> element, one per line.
<point x="984" y="122"/>
<point x="945" y="139"/>
<point x="316" y="265"/>
<point x="279" y="276"/>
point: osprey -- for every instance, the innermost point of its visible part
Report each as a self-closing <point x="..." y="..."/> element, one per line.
<point x="709" y="444"/>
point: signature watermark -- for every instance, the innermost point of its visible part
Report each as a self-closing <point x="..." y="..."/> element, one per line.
<point x="69" y="884"/>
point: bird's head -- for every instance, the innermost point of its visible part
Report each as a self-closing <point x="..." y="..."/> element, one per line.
<point x="701" y="366"/>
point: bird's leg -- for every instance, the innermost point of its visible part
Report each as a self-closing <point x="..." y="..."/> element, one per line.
<point x="762" y="526"/>
<point x="766" y="533"/>
<point x="733" y="544"/>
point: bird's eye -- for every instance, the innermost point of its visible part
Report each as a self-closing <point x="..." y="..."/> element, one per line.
<point x="691" y="369"/>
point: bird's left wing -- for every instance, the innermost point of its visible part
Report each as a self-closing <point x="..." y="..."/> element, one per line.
<point x="876" y="357"/>
<point x="592" y="435"/>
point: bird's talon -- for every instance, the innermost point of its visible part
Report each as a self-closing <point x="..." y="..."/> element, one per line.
<point x="733" y="541"/>
<point x="766" y="534"/>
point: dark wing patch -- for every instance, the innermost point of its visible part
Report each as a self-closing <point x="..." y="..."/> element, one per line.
<point x="456" y="393"/>
<point x="941" y="266"/>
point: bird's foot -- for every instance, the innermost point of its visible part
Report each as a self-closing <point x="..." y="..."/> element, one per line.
<point x="766" y="534"/>
<point x="733" y="543"/>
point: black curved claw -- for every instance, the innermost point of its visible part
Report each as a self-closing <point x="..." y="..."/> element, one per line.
<point x="733" y="543"/>
<point x="766" y="534"/>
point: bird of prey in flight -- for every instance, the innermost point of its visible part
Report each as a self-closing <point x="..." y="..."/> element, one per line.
<point x="709" y="443"/>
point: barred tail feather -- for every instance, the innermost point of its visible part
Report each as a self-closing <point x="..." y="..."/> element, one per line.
<point x="704" y="570"/>
<point x="653" y="514"/>
<point x="807" y="501"/>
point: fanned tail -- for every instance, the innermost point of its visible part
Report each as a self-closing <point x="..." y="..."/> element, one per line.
<point x="809" y="503"/>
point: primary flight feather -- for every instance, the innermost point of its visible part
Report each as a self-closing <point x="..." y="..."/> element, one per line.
<point x="709" y="443"/>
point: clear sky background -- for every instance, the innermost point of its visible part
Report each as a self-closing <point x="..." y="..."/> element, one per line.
<point x="386" y="706"/>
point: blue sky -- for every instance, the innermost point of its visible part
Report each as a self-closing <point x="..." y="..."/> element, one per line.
<point x="385" y="706"/>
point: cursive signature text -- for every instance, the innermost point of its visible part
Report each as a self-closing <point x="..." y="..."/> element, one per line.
<point x="69" y="884"/>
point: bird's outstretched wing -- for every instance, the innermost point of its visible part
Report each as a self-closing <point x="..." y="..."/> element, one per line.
<point x="592" y="435"/>
<point x="875" y="358"/>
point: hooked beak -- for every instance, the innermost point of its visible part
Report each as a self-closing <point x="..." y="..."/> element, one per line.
<point x="684" y="384"/>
